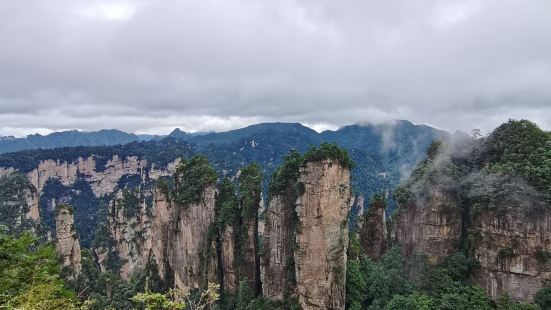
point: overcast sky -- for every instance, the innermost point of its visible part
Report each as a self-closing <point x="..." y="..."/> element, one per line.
<point x="150" y="66"/>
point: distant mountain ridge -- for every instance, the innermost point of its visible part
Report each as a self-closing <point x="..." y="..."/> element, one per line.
<point x="70" y="138"/>
<point x="67" y="138"/>
<point x="109" y="137"/>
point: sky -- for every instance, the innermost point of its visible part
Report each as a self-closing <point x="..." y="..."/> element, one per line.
<point x="148" y="66"/>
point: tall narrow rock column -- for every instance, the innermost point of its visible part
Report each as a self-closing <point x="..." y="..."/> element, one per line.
<point x="322" y="234"/>
<point x="161" y="209"/>
<point x="187" y="242"/>
<point x="250" y="190"/>
<point x="278" y="260"/>
<point x="372" y="231"/>
<point x="192" y="216"/>
<point x="67" y="244"/>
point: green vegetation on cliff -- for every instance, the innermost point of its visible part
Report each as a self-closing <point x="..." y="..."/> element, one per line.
<point x="511" y="166"/>
<point x="520" y="148"/>
<point x="227" y="205"/>
<point x="15" y="190"/>
<point x="250" y="190"/>
<point x="329" y="151"/>
<point x="510" y="169"/>
<point x="288" y="172"/>
<point x="192" y="176"/>
<point x="386" y="284"/>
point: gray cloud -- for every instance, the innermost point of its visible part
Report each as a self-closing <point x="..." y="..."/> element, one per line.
<point x="151" y="65"/>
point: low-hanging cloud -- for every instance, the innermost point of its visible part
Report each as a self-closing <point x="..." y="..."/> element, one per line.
<point x="151" y="65"/>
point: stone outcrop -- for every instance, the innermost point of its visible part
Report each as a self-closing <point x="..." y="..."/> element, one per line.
<point x="513" y="249"/>
<point x="102" y="181"/>
<point x="372" y="232"/>
<point x="359" y="208"/>
<point x="67" y="244"/>
<point x="187" y="248"/>
<point x="305" y="238"/>
<point x="322" y="235"/>
<point x="228" y="262"/>
<point x="249" y="265"/>
<point x="510" y="243"/>
<point x="18" y="203"/>
<point x="432" y="228"/>
<point x="278" y="257"/>
<point x="131" y="230"/>
<point x="160" y="230"/>
<point x="33" y="212"/>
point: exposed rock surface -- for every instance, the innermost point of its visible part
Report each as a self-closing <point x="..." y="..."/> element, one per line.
<point x="511" y="244"/>
<point x="432" y="229"/>
<point x="186" y="246"/>
<point x="249" y="263"/>
<point x="228" y="260"/>
<point x="322" y="235"/>
<point x="32" y="201"/>
<point x="131" y="232"/>
<point x="18" y="203"/>
<point x="277" y="261"/>
<point x="160" y="230"/>
<point x="102" y="182"/>
<point x="513" y="249"/>
<point x="67" y="244"/>
<point x="372" y="231"/>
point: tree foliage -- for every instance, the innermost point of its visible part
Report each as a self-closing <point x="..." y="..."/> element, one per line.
<point x="329" y="151"/>
<point x="30" y="275"/>
<point x="250" y="188"/>
<point x="191" y="178"/>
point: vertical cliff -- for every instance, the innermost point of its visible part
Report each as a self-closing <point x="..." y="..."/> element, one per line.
<point x="372" y="231"/>
<point x="67" y="245"/>
<point x="18" y="203"/>
<point x="129" y="223"/>
<point x="429" y="220"/>
<point x="227" y="260"/>
<point x="278" y="267"/>
<point x="192" y="215"/>
<point x="278" y="260"/>
<point x="188" y="239"/>
<point x="160" y="229"/>
<point x="322" y="234"/>
<point x="306" y="232"/>
<point x="227" y="207"/>
<point x="250" y="189"/>
<point x="513" y="249"/>
<point x="490" y="198"/>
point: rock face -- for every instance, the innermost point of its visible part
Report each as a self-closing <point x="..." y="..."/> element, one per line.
<point x="432" y="228"/>
<point x="513" y="248"/>
<point x="18" y="203"/>
<point x="67" y="245"/>
<point x="372" y="231"/>
<point x="322" y="235"/>
<point x="228" y="260"/>
<point x="187" y="250"/>
<point x="129" y="222"/>
<point x="160" y="229"/>
<point x="103" y="181"/>
<point x="278" y="258"/>
<point x="248" y="267"/>
<point x="511" y="244"/>
<point x="32" y="201"/>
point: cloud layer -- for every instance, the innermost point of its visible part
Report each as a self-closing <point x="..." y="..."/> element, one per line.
<point x="149" y="66"/>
